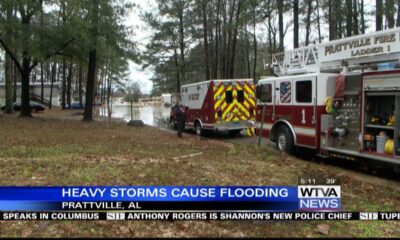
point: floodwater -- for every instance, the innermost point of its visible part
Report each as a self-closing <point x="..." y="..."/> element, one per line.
<point x="151" y="115"/>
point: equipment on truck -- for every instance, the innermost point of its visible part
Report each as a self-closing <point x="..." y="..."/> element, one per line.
<point x="219" y="105"/>
<point x="340" y="98"/>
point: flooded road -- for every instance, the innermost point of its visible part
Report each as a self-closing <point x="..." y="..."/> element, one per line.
<point x="157" y="116"/>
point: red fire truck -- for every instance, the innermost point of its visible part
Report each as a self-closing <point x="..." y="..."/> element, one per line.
<point x="219" y="105"/>
<point x="340" y="98"/>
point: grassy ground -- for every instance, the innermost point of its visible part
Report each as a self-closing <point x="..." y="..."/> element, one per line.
<point x="55" y="148"/>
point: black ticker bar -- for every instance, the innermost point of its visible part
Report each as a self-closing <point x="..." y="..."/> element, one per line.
<point x="202" y="215"/>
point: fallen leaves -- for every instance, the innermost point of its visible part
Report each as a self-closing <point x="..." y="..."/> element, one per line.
<point x="323" y="229"/>
<point x="76" y="153"/>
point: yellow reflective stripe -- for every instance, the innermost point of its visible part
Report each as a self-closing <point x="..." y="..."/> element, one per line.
<point x="250" y="132"/>
<point x="218" y="92"/>
<point x="218" y="103"/>
<point x="251" y="101"/>
<point x="248" y="89"/>
<point x="246" y="104"/>
<point x="223" y="106"/>
<point x="243" y="109"/>
<point x="227" y="110"/>
<point x="246" y="113"/>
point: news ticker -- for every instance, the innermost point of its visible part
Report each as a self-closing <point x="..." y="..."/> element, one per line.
<point x="205" y="216"/>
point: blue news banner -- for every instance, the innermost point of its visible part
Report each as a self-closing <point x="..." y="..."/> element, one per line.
<point x="173" y="203"/>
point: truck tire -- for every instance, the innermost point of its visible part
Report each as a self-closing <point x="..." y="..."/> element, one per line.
<point x="284" y="140"/>
<point x="197" y="128"/>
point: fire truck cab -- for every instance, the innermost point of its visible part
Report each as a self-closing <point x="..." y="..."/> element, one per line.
<point x="340" y="98"/>
<point x="292" y="105"/>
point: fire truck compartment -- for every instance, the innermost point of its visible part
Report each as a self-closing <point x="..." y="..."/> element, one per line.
<point x="381" y="115"/>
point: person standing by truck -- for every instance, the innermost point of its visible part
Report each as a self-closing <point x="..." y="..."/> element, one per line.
<point x="181" y="119"/>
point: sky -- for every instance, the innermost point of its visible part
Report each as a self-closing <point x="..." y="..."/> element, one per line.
<point x="141" y="37"/>
<point x="143" y="34"/>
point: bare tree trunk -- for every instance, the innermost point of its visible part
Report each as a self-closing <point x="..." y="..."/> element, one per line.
<point x="88" y="114"/>
<point x="296" y="23"/>
<point x="26" y="70"/>
<point x="378" y="15"/>
<point x="355" y="17"/>
<point x="247" y="49"/>
<point x="8" y="72"/>
<point x="229" y="43"/>
<point x="389" y="13"/>
<point x="308" y="21"/>
<point x="318" y="23"/>
<point x="64" y="84"/>
<point x="104" y="83"/>
<point x="255" y="45"/>
<point x="48" y="71"/>
<point x="205" y="32"/>
<point x="15" y="83"/>
<point x="281" y="33"/>
<point x="235" y="34"/>
<point x="41" y="82"/>
<point x="182" y="44"/>
<point x="8" y="84"/>
<point x="41" y="64"/>
<point x="80" y="86"/>
<point x="69" y="83"/>
<point x="349" y="17"/>
<point x="362" y="18"/>
<point x="217" y="39"/>
<point x="108" y="83"/>
<point x="53" y="76"/>
<point x="398" y="14"/>
<point x="339" y="19"/>
<point x="224" y="43"/>
<point x="331" y="20"/>
<point x="269" y="27"/>
<point x="178" y="75"/>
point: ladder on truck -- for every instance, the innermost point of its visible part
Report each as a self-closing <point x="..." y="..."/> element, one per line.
<point x="353" y="52"/>
<point x="296" y="61"/>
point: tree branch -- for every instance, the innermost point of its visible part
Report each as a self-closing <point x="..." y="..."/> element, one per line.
<point x="9" y="52"/>
<point x="57" y="52"/>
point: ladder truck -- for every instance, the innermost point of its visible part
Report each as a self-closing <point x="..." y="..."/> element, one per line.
<point x="340" y="98"/>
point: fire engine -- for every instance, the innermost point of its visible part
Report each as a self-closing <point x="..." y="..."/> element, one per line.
<point x="219" y="105"/>
<point x="340" y="98"/>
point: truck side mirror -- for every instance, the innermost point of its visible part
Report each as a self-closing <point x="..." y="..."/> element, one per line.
<point x="258" y="91"/>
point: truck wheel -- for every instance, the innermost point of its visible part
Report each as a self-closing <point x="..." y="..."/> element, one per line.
<point x="198" y="129"/>
<point x="284" y="141"/>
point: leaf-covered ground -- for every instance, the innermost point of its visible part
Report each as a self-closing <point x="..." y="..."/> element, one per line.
<point x="55" y="148"/>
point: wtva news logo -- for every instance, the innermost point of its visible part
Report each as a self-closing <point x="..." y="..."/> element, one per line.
<point x="319" y="197"/>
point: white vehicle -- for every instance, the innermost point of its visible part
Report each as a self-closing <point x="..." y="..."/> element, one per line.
<point x="220" y="105"/>
<point x="340" y="98"/>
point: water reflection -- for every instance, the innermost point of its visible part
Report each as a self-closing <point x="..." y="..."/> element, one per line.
<point x="150" y="115"/>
